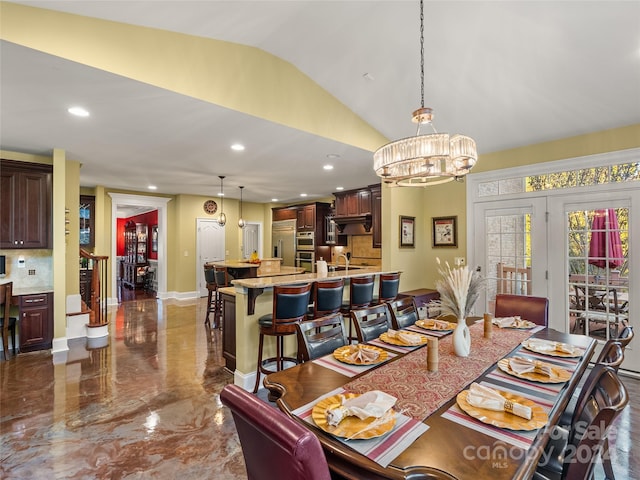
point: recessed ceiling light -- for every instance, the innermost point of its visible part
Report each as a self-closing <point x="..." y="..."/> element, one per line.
<point x="339" y="188"/>
<point x="303" y="194"/>
<point x="368" y="76"/>
<point x="237" y="147"/>
<point x="78" y="111"/>
<point x="274" y="199"/>
<point x="152" y="187"/>
<point x="220" y="194"/>
<point x="328" y="167"/>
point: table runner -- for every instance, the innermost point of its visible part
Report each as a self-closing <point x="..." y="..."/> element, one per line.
<point x="420" y="392"/>
<point x="431" y="333"/>
<point x="346" y="369"/>
<point x="380" y="449"/>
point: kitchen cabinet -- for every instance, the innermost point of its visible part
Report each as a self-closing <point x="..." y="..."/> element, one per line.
<point x="134" y="265"/>
<point x="36" y="322"/>
<point x="284" y="213"/>
<point x="376" y="215"/>
<point x="229" y="330"/>
<point x="306" y="218"/>
<point x="353" y="203"/>
<point x="26" y="199"/>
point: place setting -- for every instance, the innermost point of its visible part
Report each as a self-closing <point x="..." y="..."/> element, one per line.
<point x="435" y="326"/>
<point x="534" y="370"/>
<point x="351" y="360"/>
<point x="400" y="340"/>
<point x="515" y="322"/>
<point x="368" y="422"/>
<point x="554" y="349"/>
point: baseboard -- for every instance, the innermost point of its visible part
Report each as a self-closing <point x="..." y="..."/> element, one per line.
<point x="244" y="380"/>
<point x="59" y="344"/>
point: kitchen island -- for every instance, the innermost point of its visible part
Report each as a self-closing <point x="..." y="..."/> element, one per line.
<point x="265" y="267"/>
<point x="254" y="298"/>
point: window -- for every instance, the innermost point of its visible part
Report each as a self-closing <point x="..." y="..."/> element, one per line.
<point x="87" y="221"/>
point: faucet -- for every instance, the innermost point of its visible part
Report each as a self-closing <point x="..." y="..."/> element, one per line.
<point x="346" y="260"/>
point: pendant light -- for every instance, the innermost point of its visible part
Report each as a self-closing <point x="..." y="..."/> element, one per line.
<point x="241" y="222"/>
<point x="427" y="159"/>
<point x="222" y="219"/>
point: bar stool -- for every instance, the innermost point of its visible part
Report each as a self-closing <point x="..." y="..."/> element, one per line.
<point x="290" y="303"/>
<point x="212" y="288"/>
<point x="327" y="297"/>
<point x="7" y="323"/>
<point x="388" y="287"/>
<point x="360" y="296"/>
<point x="222" y="279"/>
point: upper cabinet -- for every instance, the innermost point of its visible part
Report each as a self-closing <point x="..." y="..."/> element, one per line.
<point x="361" y="206"/>
<point x="376" y="215"/>
<point x="353" y="202"/>
<point x="284" y="213"/>
<point x="26" y="199"/>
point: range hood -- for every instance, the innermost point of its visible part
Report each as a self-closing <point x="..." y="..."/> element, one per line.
<point x="364" y="220"/>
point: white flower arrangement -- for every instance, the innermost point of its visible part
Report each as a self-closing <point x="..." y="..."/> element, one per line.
<point x="459" y="289"/>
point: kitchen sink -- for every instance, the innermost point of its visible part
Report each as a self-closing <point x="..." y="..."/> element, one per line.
<point x="342" y="268"/>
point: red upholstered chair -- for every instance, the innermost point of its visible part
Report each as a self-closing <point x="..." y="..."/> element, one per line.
<point x="273" y="445"/>
<point x="534" y="309"/>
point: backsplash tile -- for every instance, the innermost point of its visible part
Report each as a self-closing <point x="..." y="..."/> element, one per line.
<point x="37" y="271"/>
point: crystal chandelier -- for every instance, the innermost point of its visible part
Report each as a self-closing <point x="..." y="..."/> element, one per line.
<point x="222" y="219"/>
<point x="425" y="159"/>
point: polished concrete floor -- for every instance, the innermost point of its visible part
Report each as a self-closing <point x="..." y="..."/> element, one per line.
<point x="146" y="405"/>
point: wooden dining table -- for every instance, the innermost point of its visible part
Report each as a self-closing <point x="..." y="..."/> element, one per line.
<point x="446" y="443"/>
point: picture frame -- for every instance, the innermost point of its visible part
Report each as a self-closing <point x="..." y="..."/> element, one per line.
<point x="407" y="231"/>
<point x="445" y="231"/>
<point x="154" y="238"/>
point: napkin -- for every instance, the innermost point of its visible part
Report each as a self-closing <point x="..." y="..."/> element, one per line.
<point x="505" y="322"/>
<point x="371" y="404"/>
<point x="488" y="398"/>
<point x="522" y="365"/>
<point x="405" y="337"/>
<point x="360" y="354"/>
<point x="549" y="346"/>
<point x="437" y="324"/>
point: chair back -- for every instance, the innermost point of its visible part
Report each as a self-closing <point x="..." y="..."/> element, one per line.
<point x="371" y="322"/>
<point x="534" y="309"/>
<point x="612" y="355"/>
<point x="290" y="304"/>
<point x="221" y="276"/>
<point x="513" y="280"/>
<point x="209" y="275"/>
<point x="403" y="312"/>
<point x="388" y="287"/>
<point x="6" y="292"/>
<point x="625" y="336"/>
<point x="320" y="336"/>
<point x="601" y="400"/>
<point x="361" y="291"/>
<point x="272" y="442"/>
<point x="327" y="297"/>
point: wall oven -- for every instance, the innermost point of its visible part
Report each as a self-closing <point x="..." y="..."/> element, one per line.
<point x="306" y="260"/>
<point x="305" y="241"/>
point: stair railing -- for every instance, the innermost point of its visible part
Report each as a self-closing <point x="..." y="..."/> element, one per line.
<point x="97" y="264"/>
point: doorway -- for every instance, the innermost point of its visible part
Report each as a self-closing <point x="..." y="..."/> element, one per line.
<point x="210" y="248"/>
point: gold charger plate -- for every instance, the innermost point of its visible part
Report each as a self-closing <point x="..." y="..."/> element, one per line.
<point x="349" y="426"/>
<point x="539" y="417"/>
<point x="342" y="353"/>
<point x="553" y="353"/>
<point x="392" y="341"/>
<point x="431" y="325"/>
<point x="524" y="325"/>
<point x="558" y="375"/>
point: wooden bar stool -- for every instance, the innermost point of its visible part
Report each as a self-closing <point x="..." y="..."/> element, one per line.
<point x="212" y="288"/>
<point x="388" y="286"/>
<point x="222" y="279"/>
<point x="327" y="297"/>
<point x="360" y="296"/>
<point x="290" y="303"/>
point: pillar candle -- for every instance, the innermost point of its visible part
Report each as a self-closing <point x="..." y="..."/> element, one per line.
<point x="432" y="354"/>
<point x="488" y="327"/>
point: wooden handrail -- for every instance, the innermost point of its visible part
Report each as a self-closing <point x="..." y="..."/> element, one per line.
<point x="97" y="303"/>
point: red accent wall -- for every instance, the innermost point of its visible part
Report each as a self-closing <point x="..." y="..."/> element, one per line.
<point x="149" y="218"/>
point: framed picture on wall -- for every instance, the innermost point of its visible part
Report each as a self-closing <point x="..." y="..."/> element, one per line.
<point x="407" y="231"/>
<point x="154" y="238"/>
<point x="445" y="231"/>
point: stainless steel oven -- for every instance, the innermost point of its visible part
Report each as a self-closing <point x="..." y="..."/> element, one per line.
<point x="306" y="260"/>
<point x="305" y="241"/>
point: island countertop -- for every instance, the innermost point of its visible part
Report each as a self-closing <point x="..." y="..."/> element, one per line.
<point x="271" y="281"/>
<point x="271" y="265"/>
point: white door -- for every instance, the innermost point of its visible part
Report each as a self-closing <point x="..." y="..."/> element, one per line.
<point x="210" y="247"/>
<point x="591" y="291"/>
<point x="251" y="240"/>
<point x="511" y="234"/>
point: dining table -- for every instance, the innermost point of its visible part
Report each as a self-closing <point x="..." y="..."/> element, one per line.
<point x="432" y="437"/>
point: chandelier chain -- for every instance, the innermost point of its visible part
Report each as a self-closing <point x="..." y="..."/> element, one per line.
<point x="421" y="54"/>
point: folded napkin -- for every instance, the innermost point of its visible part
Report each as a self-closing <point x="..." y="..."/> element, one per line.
<point x="505" y="322"/>
<point x="549" y="346"/>
<point x="437" y="324"/>
<point x="522" y="365"/>
<point x="488" y="398"/>
<point x="405" y="337"/>
<point x="371" y="404"/>
<point x="361" y="354"/>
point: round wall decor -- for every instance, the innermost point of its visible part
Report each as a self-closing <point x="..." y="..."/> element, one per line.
<point x="210" y="207"/>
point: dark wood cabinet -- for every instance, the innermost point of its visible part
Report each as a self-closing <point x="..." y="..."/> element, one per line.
<point x="353" y="202"/>
<point x="229" y="330"/>
<point x="284" y="213"/>
<point x="376" y="216"/>
<point x="26" y="199"/>
<point x="36" y="322"/>
<point x="422" y="297"/>
<point x="134" y="265"/>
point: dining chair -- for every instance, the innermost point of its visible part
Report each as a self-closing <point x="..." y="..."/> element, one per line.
<point x="290" y="303"/>
<point x="7" y="322"/>
<point x="371" y="322"/>
<point x="327" y="297"/>
<point x="571" y="453"/>
<point x="320" y="336"/>
<point x="403" y="312"/>
<point x="534" y="309"/>
<point x="273" y="445"/>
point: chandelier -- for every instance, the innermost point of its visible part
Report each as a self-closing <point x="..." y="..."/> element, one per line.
<point x="425" y="159"/>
